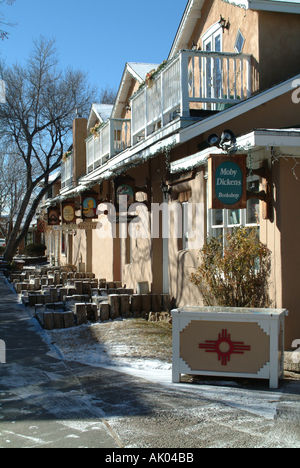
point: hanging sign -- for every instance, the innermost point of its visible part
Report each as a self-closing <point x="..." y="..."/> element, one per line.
<point x="41" y="225"/>
<point x="68" y="213"/>
<point x="89" y="205"/>
<point x="227" y="181"/>
<point x="124" y="186"/>
<point x="53" y="216"/>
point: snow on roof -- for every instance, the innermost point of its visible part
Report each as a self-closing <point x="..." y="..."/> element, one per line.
<point x="141" y="69"/>
<point x="99" y="113"/>
<point x="103" y="110"/>
<point x="135" y="70"/>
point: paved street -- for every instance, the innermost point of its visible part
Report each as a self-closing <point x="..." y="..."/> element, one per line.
<point x="46" y="401"/>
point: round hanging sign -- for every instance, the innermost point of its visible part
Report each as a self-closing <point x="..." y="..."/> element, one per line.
<point x="127" y="191"/>
<point x="229" y="182"/>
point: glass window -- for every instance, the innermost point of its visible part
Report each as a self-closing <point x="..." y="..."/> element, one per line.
<point x="234" y="217"/>
<point x="239" y="42"/>
<point x="221" y="220"/>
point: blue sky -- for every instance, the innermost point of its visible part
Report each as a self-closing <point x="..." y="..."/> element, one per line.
<point x="98" y="37"/>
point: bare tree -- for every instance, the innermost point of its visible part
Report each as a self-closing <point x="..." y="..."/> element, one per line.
<point x="4" y="34"/>
<point x="37" y="118"/>
<point x="12" y="182"/>
<point x="107" y="95"/>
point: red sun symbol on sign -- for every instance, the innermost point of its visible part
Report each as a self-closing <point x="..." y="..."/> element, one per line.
<point x="224" y="347"/>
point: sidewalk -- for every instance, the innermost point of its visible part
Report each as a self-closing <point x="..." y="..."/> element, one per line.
<point x="46" y="401"/>
<point x="42" y="403"/>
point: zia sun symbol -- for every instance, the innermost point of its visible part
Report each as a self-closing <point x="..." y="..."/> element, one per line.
<point x="224" y="347"/>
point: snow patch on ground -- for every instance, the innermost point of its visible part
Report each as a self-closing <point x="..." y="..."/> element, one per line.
<point x="117" y="357"/>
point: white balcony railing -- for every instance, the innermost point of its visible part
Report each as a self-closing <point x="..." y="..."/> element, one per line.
<point x="190" y="83"/>
<point x="112" y="138"/>
<point x="192" y="80"/>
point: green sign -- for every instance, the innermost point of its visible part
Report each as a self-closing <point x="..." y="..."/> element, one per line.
<point x="229" y="183"/>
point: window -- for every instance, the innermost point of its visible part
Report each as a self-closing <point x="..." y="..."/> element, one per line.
<point x="221" y="220"/>
<point x="67" y="172"/>
<point x="49" y="194"/>
<point x="239" y="42"/>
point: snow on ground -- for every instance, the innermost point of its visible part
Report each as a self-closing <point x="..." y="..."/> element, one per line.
<point x="262" y="402"/>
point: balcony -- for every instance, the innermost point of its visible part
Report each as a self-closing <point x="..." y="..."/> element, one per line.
<point x="189" y="84"/>
<point x="112" y="138"/>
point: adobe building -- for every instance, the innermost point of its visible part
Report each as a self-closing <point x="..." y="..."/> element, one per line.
<point x="231" y="67"/>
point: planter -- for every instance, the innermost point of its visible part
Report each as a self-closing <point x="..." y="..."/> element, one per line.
<point x="229" y="342"/>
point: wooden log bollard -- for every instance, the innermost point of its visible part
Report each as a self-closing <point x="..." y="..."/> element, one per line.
<point x="80" y="313"/>
<point x="104" y="311"/>
<point x="114" y="302"/>
<point x="136" y="303"/>
<point x="124" y="304"/>
<point x="146" y="303"/>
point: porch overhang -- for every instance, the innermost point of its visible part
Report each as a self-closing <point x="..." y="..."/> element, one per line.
<point x="280" y="143"/>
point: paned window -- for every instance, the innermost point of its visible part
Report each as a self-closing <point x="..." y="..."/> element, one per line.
<point x="223" y="220"/>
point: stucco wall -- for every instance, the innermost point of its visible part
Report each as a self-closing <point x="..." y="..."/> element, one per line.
<point x="287" y="208"/>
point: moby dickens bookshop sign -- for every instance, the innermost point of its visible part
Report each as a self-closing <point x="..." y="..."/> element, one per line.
<point x="227" y="181"/>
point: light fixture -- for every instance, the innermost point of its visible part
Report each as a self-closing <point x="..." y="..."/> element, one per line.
<point x="227" y="137"/>
<point x="226" y="142"/>
<point x="128" y="108"/>
<point x="213" y="140"/>
<point x="165" y="188"/>
<point x="223" y="24"/>
<point x="194" y="46"/>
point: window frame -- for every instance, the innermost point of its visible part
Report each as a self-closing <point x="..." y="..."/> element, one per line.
<point x="213" y="227"/>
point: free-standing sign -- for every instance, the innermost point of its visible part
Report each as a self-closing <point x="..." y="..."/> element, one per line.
<point x="227" y="181"/>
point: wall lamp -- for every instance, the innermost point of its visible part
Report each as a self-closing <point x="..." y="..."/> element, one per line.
<point x="194" y="46"/>
<point x="226" y="141"/>
<point x="165" y="188"/>
<point x="222" y="22"/>
<point x="128" y="108"/>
